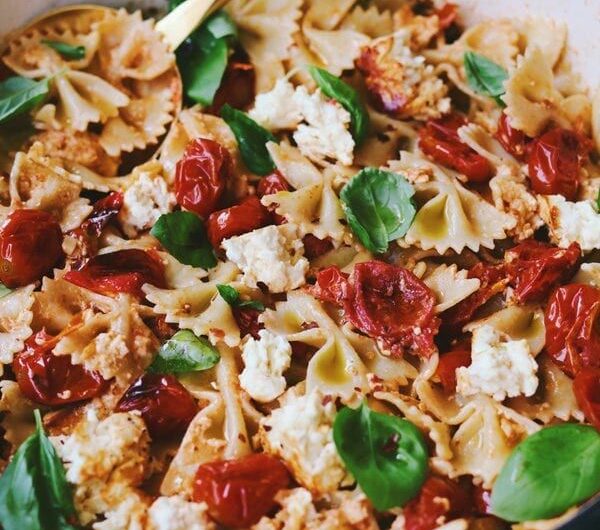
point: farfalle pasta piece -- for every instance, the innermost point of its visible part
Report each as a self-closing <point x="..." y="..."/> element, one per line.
<point x="266" y="29"/>
<point x="199" y="307"/>
<point x="131" y="48"/>
<point x="451" y="216"/>
<point x="532" y="101"/>
<point x="313" y="205"/>
<point x="15" y="322"/>
<point x="217" y="432"/>
<point x="17" y="414"/>
<point x="116" y="344"/>
<point x="336" y="368"/>
<point x="450" y="285"/>
<point x="29" y="56"/>
<point x="370" y="21"/>
<point x="547" y="34"/>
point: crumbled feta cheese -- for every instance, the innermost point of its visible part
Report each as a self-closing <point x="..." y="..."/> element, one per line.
<point x="500" y="367"/>
<point x="130" y="513"/>
<point x="272" y="255"/>
<point x="277" y="108"/>
<point x="327" y="134"/>
<point x="144" y="202"/>
<point x="105" y="459"/>
<point x="265" y="360"/>
<point x="300" y="432"/>
<point x="588" y="273"/>
<point x="175" y="513"/>
<point x="571" y="221"/>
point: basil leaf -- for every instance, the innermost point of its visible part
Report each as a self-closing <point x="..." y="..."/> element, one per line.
<point x="547" y="473"/>
<point x="68" y="51"/>
<point x="4" y="290"/>
<point x="232" y="296"/>
<point x="34" y="493"/>
<point x="19" y="95"/>
<point x="347" y="97"/>
<point x="217" y="26"/>
<point x="379" y="207"/>
<point x="598" y="201"/>
<point x="386" y="455"/>
<point x="251" y="139"/>
<point x="484" y="76"/>
<point x="185" y="352"/>
<point x="202" y="74"/>
<point x="184" y="236"/>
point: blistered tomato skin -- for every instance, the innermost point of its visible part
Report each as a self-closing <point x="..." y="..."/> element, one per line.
<point x="572" y="327"/>
<point x="439" y="497"/>
<point x="449" y="362"/>
<point x="315" y="247"/>
<point x="201" y="176"/>
<point x="30" y="245"/>
<point x="166" y="406"/>
<point x="514" y="141"/>
<point x="50" y="379"/>
<point x="249" y="215"/>
<point x="439" y="140"/>
<point x="586" y="386"/>
<point x="123" y="271"/>
<point x="273" y="183"/>
<point x="247" y="320"/>
<point x="239" y="492"/>
<point x="555" y="161"/>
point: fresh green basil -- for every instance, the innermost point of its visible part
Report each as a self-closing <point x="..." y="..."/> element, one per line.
<point x="68" y="51"/>
<point x="598" y="201"/>
<point x="19" y="95"/>
<point x="347" y="97"/>
<point x="251" y="139"/>
<point x="547" y="473"/>
<point x="4" y="290"/>
<point x="34" y="493"/>
<point x="185" y="352"/>
<point x="484" y="76"/>
<point x="386" y="455"/>
<point x="379" y="207"/>
<point x="203" y="59"/>
<point x="184" y="236"/>
<point x="232" y="296"/>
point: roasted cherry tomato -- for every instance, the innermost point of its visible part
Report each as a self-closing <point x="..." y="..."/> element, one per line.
<point x="439" y="498"/>
<point x="201" y="175"/>
<point x="535" y="268"/>
<point x="238" y="84"/>
<point x="239" y="492"/>
<point x="572" y="327"/>
<point x="439" y="140"/>
<point x="166" y="406"/>
<point x="123" y="271"/>
<point x="315" y="247"/>
<point x="332" y="286"/>
<point x="104" y="210"/>
<point x="249" y="215"/>
<point x="587" y="391"/>
<point x="449" y="362"/>
<point x="273" y="183"/>
<point x="482" y="499"/>
<point x="447" y="15"/>
<point x="514" y="141"/>
<point x="247" y="321"/>
<point x="555" y="160"/>
<point x="51" y="379"/>
<point x="30" y="245"/>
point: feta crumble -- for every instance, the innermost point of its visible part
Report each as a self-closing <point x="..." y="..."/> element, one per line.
<point x="500" y="367"/>
<point x="272" y="255"/>
<point x="265" y="360"/>
<point x="300" y="432"/>
<point x="571" y="221"/>
<point x="175" y="513"/>
<point x="277" y="109"/>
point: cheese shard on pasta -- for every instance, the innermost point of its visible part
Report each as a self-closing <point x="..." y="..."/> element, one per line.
<point x="271" y="255"/>
<point x="451" y="216"/>
<point x="570" y="222"/>
<point x="300" y="432"/>
<point x="500" y="367"/>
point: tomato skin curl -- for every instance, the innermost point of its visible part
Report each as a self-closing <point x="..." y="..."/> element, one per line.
<point x="586" y="386"/>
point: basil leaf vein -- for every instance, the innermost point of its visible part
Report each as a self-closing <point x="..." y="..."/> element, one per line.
<point x="484" y="76"/>
<point x="34" y="492"/>
<point x="184" y="237"/>
<point x="252" y="140"/>
<point x="547" y="473"/>
<point x="379" y="207"/>
<point x="232" y="296"/>
<point x="19" y="95"/>
<point x="185" y="352"/>
<point x="66" y="50"/>
<point x="386" y="455"/>
<point x="347" y="97"/>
